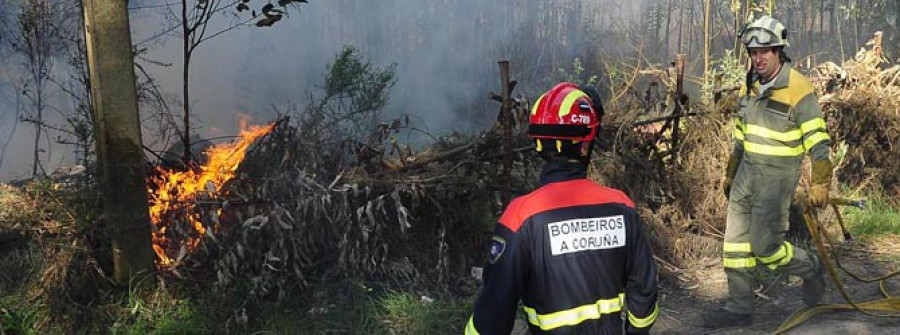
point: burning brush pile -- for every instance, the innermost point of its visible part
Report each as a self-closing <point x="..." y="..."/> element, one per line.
<point x="296" y="203"/>
<point x="176" y="194"/>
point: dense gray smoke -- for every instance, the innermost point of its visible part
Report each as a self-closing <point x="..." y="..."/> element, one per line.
<point x="446" y="54"/>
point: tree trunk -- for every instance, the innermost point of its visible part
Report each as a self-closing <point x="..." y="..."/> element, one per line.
<point x="39" y="109"/>
<point x="118" y="137"/>
<point x="706" y="42"/>
<point x="668" y="23"/>
<point x="690" y="22"/>
<point x="809" y="26"/>
<point x="840" y="36"/>
<point x="832" y="19"/>
<point x="186" y="38"/>
<point x="895" y="36"/>
<point x="821" y="17"/>
<point x="856" y="27"/>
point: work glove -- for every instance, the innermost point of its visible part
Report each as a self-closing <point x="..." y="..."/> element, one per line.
<point x="730" y="171"/>
<point x="820" y="183"/>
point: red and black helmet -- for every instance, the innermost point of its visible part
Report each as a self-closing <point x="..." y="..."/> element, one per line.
<point x="565" y="112"/>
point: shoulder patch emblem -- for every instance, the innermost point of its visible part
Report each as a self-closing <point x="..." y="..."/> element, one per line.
<point x="498" y="245"/>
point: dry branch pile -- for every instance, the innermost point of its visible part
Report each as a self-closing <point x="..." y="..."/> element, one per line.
<point x="310" y="206"/>
<point x="861" y="99"/>
<point x="679" y="199"/>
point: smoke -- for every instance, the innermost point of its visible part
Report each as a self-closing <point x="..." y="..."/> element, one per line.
<point x="446" y="54"/>
<point x="445" y="50"/>
<point x="17" y="138"/>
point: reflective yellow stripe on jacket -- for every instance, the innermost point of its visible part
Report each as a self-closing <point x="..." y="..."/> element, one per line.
<point x="812" y="125"/>
<point x="574" y="316"/>
<point x="738" y="132"/>
<point x="814" y="130"/>
<point x="470" y="327"/>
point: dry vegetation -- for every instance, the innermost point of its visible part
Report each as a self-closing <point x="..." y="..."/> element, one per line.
<point x="312" y="215"/>
<point x="862" y="101"/>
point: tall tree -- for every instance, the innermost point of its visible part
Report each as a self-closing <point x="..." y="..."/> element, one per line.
<point x="706" y="39"/>
<point x="118" y="136"/>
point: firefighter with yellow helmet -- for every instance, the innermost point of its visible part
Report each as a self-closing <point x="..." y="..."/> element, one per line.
<point x="778" y="122"/>
<point x="574" y="252"/>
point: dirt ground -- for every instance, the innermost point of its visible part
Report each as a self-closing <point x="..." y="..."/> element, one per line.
<point x="684" y="300"/>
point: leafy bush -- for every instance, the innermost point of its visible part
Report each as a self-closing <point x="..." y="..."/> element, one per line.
<point x="729" y="72"/>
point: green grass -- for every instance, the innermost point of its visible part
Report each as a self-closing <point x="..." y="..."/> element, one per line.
<point x="20" y="319"/>
<point x="159" y="312"/>
<point x="342" y="307"/>
<point x="361" y="310"/>
<point x="351" y="307"/>
<point x="405" y="313"/>
<point x="880" y="217"/>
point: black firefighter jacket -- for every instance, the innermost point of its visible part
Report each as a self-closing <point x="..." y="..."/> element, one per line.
<point x="577" y="256"/>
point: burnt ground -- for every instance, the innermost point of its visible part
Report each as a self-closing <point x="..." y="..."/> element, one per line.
<point x="683" y="300"/>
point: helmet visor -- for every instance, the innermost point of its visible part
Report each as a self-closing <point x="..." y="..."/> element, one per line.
<point x="762" y="36"/>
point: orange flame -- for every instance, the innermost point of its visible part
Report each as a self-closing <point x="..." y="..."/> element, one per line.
<point x="173" y="193"/>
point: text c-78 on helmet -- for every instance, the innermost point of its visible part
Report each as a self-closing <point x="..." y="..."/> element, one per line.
<point x="565" y="112"/>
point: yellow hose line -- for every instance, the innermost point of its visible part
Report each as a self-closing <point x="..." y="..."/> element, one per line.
<point x="888" y="304"/>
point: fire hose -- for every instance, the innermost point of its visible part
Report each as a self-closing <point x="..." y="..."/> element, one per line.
<point x="889" y="306"/>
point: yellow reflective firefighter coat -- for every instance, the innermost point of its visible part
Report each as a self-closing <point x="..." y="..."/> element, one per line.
<point x="778" y="126"/>
<point x="772" y="131"/>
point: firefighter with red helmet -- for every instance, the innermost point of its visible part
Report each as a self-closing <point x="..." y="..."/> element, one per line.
<point x="574" y="252"/>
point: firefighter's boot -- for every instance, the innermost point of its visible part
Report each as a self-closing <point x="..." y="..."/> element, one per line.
<point x="722" y="318"/>
<point x="814" y="287"/>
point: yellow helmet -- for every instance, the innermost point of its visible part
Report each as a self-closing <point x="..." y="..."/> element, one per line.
<point x="764" y="32"/>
